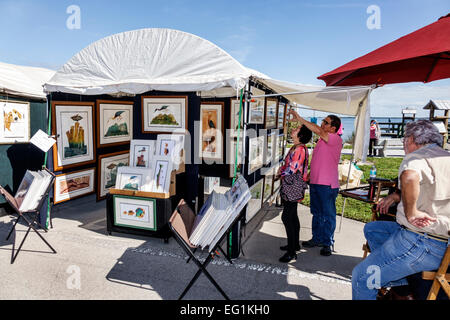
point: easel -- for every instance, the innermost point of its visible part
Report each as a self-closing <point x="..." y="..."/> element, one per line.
<point x="31" y="225"/>
<point x="181" y="223"/>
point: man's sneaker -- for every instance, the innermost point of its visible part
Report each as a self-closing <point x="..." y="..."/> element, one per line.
<point x="325" y="251"/>
<point x="311" y="244"/>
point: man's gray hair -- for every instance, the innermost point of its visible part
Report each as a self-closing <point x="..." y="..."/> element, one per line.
<point x="423" y="132"/>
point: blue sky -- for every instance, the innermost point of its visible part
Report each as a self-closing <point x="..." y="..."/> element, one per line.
<point x="288" y="40"/>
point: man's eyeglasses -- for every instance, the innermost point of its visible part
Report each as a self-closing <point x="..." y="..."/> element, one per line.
<point x="326" y="122"/>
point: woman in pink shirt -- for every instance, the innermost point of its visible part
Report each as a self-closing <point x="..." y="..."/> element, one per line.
<point x="374" y="136"/>
<point x="323" y="181"/>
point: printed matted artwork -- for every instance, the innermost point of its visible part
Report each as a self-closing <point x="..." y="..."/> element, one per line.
<point x="15" y="122"/>
<point x="255" y="203"/>
<point x="114" y="122"/>
<point x="211" y="130"/>
<point x="141" y="153"/>
<point x="135" y="212"/>
<point x="268" y="184"/>
<point x="164" y="114"/>
<point x="133" y="178"/>
<point x="280" y="147"/>
<point x="234" y="117"/>
<point x="72" y="185"/>
<point x="162" y="170"/>
<point x="270" y="147"/>
<point x="271" y="113"/>
<point x="257" y="107"/>
<point x="172" y="146"/>
<point x="73" y="127"/>
<point x="256" y="153"/>
<point x="281" y="115"/>
<point x="108" y="165"/>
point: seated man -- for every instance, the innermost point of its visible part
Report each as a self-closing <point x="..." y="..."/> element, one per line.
<point x="417" y="240"/>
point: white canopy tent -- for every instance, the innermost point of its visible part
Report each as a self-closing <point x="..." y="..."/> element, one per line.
<point x="143" y="60"/>
<point x="24" y="81"/>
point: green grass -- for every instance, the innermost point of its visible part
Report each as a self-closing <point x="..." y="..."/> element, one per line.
<point x="358" y="210"/>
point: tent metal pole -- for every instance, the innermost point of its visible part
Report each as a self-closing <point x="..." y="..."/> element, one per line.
<point x="315" y="91"/>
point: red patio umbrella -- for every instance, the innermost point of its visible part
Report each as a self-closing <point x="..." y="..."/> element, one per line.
<point x="423" y="55"/>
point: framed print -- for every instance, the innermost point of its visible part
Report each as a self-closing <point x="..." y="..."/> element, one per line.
<point x="232" y="157"/>
<point x="270" y="147"/>
<point x="211" y="130"/>
<point x="134" y="212"/>
<point x="164" y="114"/>
<point x="277" y="183"/>
<point x="132" y="178"/>
<point x="255" y="153"/>
<point x="108" y="165"/>
<point x="280" y="147"/>
<point x="271" y="113"/>
<point x="72" y="185"/>
<point x="172" y="146"/>
<point x="73" y="127"/>
<point x="15" y="120"/>
<point x="114" y="122"/>
<point x="234" y="117"/>
<point x="268" y="184"/>
<point x="161" y="173"/>
<point x="141" y="153"/>
<point x="256" y="107"/>
<point x="255" y="203"/>
<point x="281" y="115"/>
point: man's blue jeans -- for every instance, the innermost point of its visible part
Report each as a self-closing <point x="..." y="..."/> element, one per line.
<point x="395" y="254"/>
<point x="323" y="209"/>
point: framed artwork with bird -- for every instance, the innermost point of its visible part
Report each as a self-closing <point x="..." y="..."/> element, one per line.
<point x="164" y="114"/>
<point x="114" y="122"/>
<point x="211" y="131"/>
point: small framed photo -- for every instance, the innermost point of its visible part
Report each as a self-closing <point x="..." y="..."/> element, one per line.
<point x="255" y="203"/>
<point x="15" y="119"/>
<point x="135" y="212"/>
<point x="270" y="148"/>
<point x="73" y="127"/>
<point x="141" y="153"/>
<point x="73" y="185"/>
<point x="172" y="146"/>
<point x="268" y="185"/>
<point x="211" y="130"/>
<point x="276" y="183"/>
<point x="132" y="178"/>
<point x="108" y="165"/>
<point x="164" y="114"/>
<point x="281" y="115"/>
<point x="256" y="153"/>
<point x="114" y="123"/>
<point x="280" y="147"/>
<point x="234" y="117"/>
<point x="256" y="112"/>
<point x="161" y="173"/>
<point x="271" y="113"/>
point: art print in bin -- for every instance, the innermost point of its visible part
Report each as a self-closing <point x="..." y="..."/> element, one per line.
<point x="161" y="169"/>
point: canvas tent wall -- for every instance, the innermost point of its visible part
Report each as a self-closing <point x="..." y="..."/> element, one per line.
<point x="22" y="84"/>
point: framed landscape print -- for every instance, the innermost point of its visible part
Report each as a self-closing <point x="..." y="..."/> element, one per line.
<point x="72" y="185"/>
<point x="164" y="114"/>
<point x="73" y="127"/>
<point x="171" y="145"/>
<point x="256" y="112"/>
<point x="161" y="173"/>
<point x="141" y="153"/>
<point x="211" y="130"/>
<point x="271" y="113"/>
<point x="108" y="165"/>
<point x="114" y="122"/>
<point x="270" y="147"/>
<point x="133" y="178"/>
<point x="281" y="115"/>
<point x="234" y="117"/>
<point x="134" y="212"/>
<point x="255" y="154"/>
<point x="255" y="203"/>
<point x="15" y="122"/>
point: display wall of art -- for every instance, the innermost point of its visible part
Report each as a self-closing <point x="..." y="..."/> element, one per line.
<point x="234" y="117"/>
<point x="141" y="152"/>
<point x="135" y="212"/>
<point x="73" y="185"/>
<point x="15" y="122"/>
<point x="256" y="153"/>
<point x="108" y="165"/>
<point x="72" y="124"/>
<point x="255" y="203"/>
<point x="211" y="130"/>
<point x="114" y="122"/>
<point x="281" y="115"/>
<point x="271" y="113"/>
<point x="164" y="114"/>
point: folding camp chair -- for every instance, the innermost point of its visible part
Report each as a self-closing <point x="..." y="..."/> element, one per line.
<point x="181" y="223"/>
<point x="32" y="225"/>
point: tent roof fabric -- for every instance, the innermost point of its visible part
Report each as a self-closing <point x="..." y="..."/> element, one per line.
<point x="142" y="60"/>
<point x="23" y="81"/>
